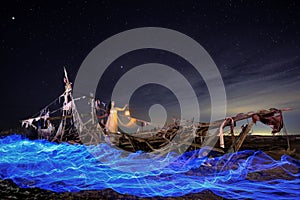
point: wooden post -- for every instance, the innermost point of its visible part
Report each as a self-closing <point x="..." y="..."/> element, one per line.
<point x="243" y="136"/>
<point x="232" y="132"/>
<point x="92" y="102"/>
<point x="67" y="93"/>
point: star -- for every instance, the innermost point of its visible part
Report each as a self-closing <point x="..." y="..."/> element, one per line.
<point x="13" y="18"/>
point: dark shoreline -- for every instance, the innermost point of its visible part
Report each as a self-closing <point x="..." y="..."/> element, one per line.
<point x="9" y="190"/>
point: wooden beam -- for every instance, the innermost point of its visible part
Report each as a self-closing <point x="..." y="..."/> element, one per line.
<point x="243" y="136"/>
<point x="239" y="117"/>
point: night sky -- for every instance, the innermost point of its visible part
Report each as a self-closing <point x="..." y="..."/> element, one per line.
<point x="254" y="45"/>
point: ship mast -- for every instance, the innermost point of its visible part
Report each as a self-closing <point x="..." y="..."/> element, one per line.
<point x="66" y="106"/>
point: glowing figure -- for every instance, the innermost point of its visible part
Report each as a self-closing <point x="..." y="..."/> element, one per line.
<point x="112" y="122"/>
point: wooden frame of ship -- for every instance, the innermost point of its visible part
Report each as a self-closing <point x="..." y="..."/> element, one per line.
<point x="67" y="126"/>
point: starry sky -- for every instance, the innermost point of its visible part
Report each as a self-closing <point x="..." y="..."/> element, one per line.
<point x="255" y="45"/>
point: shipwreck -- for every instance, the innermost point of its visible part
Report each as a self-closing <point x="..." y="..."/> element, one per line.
<point x="65" y="124"/>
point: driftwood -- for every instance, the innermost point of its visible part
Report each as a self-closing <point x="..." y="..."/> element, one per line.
<point x="164" y="138"/>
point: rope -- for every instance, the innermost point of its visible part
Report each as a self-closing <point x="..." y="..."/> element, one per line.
<point x="55" y="111"/>
<point x="43" y="109"/>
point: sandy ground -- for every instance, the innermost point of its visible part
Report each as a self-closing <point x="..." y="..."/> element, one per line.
<point x="273" y="146"/>
<point x="9" y="190"/>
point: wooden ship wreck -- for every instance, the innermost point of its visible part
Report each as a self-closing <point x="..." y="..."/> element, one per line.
<point x="65" y="124"/>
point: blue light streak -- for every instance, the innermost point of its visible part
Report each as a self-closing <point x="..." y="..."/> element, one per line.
<point x="72" y="168"/>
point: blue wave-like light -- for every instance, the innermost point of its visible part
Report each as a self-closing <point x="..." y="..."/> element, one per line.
<point x="72" y="168"/>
